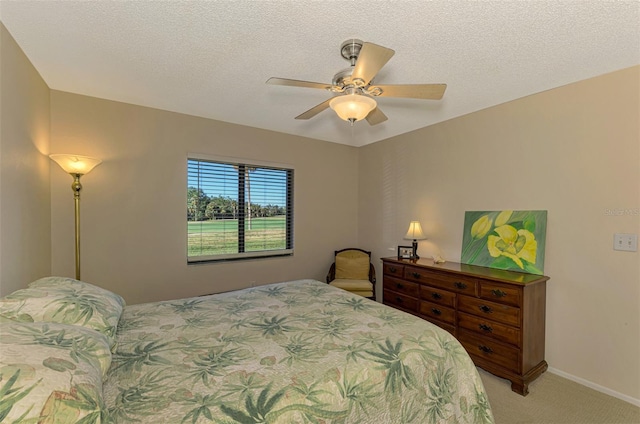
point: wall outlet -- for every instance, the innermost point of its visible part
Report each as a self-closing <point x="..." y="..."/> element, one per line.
<point x="625" y="242"/>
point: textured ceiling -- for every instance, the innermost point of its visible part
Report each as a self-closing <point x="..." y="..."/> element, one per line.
<point x="212" y="59"/>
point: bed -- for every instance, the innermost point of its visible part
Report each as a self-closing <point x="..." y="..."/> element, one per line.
<point x="292" y="352"/>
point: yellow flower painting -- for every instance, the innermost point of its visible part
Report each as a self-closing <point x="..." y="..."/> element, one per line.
<point x="510" y="240"/>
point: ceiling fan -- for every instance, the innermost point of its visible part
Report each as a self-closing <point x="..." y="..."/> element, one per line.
<point x="355" y="88"/>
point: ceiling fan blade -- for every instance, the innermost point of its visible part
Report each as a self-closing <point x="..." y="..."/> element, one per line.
<point x="298" y="83"/>
<point x="376" y="116"/>
<point x="413" y="91"/>
<point x="371" y="59"/>
<point x="314" y="110"/>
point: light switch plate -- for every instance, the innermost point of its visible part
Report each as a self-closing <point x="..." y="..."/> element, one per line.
<point x="625" y="242"/>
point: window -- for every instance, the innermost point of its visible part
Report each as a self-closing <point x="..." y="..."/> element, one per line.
<point x="238" y="210"/>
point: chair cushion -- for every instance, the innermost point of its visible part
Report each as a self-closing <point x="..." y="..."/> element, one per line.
<point x="358" y="287"/>
<point x="352" y="285"/>
<point x="362" y="293"/>
<point x="352" y="265"/>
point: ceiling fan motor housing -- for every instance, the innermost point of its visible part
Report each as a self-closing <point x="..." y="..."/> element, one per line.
<point x="342" y="80"/>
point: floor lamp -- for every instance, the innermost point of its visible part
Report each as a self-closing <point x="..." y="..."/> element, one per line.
<point x="77" y="166"/>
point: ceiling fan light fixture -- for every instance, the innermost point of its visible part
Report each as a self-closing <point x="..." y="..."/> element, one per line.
<point x="352" y="107"/>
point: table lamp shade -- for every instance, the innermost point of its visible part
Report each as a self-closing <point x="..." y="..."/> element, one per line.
<point x="415" y="231"/>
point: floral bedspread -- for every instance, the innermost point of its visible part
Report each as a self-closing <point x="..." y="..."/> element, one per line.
<point x="294" y="352"/>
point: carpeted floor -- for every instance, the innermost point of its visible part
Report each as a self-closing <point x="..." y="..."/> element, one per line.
<point x="555" y="400"/>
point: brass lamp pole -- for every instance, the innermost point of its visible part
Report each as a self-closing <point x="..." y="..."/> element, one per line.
<point x="77" y="166"/>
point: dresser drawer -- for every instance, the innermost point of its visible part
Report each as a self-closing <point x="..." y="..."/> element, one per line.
<point x="501" y="293"/>
<point x="441" y="297"/>
<point x="488" y="328"/>
<point x="495" y="352"/>
<point x="393" y="270"/>
<point x="437" y="312"/>
<point x="490" y="310"/>
<point x="401" y="286"/>
<point x="400" y="301"/>
<point x="460" y="284"/>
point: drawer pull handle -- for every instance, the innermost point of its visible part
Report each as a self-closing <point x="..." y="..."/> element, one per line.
<point x="485" y="349"/>
<point x="460" y="285"/>
<point x="498" y="293"/>
<point x="399" y="299"/>
<point x="485" y="327"/>
<point x="415" y="274"/>
<point x="400" y="286"/>
<point x="436" y="296"/>
<point x="486" y="309"/>
<point x="392" y="270"/>
<point x="436" y="311"/>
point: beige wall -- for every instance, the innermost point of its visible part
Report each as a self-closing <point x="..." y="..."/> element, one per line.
<point x="133" y="204"/>
<point x="573" y="151"/>
<point x="25" y="224"/>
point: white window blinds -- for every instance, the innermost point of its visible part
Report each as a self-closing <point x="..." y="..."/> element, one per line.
<point x="238" y="210"/>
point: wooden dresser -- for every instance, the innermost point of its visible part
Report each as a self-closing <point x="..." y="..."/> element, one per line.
<point x="498" y="316"/>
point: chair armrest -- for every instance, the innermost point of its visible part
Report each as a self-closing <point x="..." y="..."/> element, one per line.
<point x="372" y="274"/>
<point x="332" y="273"/>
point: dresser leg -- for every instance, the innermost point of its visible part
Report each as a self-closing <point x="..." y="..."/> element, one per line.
<point x="520" y="387"/>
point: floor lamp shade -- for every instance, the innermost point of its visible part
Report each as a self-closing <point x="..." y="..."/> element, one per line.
<point x="77" y="166"/>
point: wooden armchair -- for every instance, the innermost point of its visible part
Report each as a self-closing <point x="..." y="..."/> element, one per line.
<point x="353" y="271"/>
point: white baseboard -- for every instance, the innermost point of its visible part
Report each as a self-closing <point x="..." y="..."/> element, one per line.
<point x="595" y="386"/>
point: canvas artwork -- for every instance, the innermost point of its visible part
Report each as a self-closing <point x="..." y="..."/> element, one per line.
<point x="510" y="240"/>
